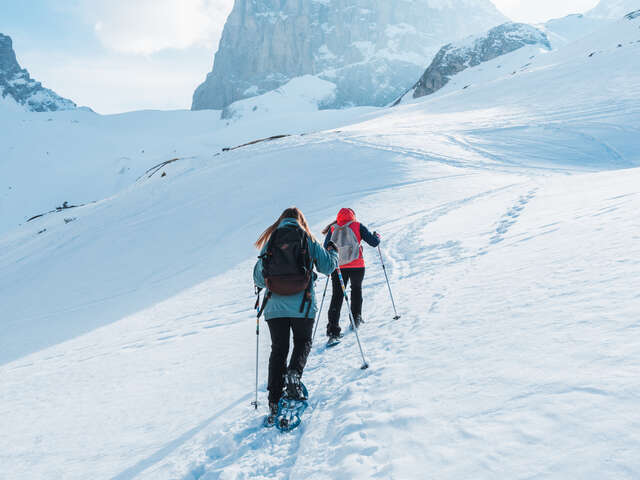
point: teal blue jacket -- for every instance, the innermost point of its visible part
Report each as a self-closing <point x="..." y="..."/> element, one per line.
<point x="280" y="306"/>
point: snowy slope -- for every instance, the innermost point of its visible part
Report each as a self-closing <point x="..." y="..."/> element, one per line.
<point x="510" y="231"/>
<point x="613" y="9"/>
<point x="96" y="162"/>
<point x="81" y="157"/>
<point x="301" y="94"/>
<point x="561" y="31"/>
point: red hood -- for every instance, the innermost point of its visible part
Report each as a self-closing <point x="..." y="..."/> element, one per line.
<point x="345" y="215"/>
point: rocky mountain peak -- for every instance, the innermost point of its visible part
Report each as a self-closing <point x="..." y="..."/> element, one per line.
<point x="456" y="57"/>
<point x="372" y="50"/>
<point x="17" y="85"/>
<point x="8" y="62"/>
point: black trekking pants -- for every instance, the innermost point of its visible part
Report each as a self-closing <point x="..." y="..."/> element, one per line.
<point x="280" y="328"/>
<point x="355" y="275"/>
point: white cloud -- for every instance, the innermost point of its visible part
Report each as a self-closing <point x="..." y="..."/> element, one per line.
<point x="145" y="27"/>
<point x="532" y="11"/>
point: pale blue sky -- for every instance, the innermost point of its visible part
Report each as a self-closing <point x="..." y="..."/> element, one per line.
<point x="120" y="55"/>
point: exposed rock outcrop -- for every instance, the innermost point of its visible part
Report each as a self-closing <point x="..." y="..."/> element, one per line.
<point x="456" y="57"/>
<point x="372" y="50"/>
<point x="16" y="84"/>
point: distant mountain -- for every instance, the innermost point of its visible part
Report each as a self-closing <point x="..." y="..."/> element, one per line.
<point x="472" y="51"/>
<point x="372" y="50"/>
<point x="16" y="85"/>
<point x="614" y="9"/>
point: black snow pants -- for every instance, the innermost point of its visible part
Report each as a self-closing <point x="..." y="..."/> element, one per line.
<point x="355" y="275"/>
<point x="280" y="329"/>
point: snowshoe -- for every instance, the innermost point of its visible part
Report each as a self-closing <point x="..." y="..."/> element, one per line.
<point x="290" y="410"/>
<point x="334" y="340"/>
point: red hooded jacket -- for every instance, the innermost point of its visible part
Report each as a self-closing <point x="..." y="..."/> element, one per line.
<point x="346" y="215"/>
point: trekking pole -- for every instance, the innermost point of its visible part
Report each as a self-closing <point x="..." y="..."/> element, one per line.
<point x="388" y="285"/>
<point x="255" y="402"/>
<point x="365" y="365"/>
<point x="320" y="311"/>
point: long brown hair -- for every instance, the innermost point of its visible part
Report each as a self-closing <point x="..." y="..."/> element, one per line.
<point x="326" y="229"/>
<point x="291" y="212"/>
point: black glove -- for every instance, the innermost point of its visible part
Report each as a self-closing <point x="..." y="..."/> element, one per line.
<point x="332" y="246"/>
<point x="377" y="235"/>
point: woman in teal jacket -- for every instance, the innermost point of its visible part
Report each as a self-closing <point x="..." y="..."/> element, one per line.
<point x="283" y="313"/>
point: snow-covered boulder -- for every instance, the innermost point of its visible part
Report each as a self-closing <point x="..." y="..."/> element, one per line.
<point x="300" y="95"/>
<point x="17" y="86"/>
<point x="372" y="50"/>
<point x="456" y="57"/>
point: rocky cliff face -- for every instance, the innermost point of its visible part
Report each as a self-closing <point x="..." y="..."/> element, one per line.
<point x="456" y="57"/>
<point x="371" y="49"/>
<point x="16" y="84"/>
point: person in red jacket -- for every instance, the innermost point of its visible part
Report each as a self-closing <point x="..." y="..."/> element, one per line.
<point x="352" y="271"/>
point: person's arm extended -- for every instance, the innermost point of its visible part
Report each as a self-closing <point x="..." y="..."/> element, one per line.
<point x="369" y="237"/>
<point x="327" y="238"/>
<point x="326" y="260"/>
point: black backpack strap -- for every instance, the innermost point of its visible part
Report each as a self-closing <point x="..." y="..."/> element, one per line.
<point x="267" y="251"/>
<point x="308" y="261"/>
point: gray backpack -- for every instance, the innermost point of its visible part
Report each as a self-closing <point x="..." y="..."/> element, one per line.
<point x="347" y="243"/>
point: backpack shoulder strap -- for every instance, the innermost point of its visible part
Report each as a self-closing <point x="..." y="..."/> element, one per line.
<point x="307" y="244"/>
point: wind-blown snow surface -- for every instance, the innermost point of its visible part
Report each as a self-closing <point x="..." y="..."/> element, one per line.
<point x="511" y="236"/>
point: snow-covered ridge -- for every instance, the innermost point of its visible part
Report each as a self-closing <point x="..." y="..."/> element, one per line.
<point x="17" y="85"/>
<point x="371" y="50"/>
<point x="302" y="94"/>
<point x="613" y="9"/>
<point x="474" y="50"/>
<point x="632" y="15"/>
<point x="562" y="31"/>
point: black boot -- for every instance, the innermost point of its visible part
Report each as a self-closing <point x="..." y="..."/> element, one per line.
<point x="270" y="421"/>
<point x="358" y="320"/>
<point x="293" y="386"/>
<point x="334" y="339"/>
